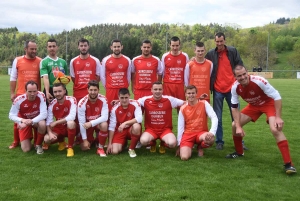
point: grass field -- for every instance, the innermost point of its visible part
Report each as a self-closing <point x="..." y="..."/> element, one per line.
<point x="152" y="176"/>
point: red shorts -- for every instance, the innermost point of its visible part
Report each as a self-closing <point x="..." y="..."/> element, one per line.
<point x="61" y="130"/>
<point x="111" y="94"/>
<point x="188" y="140"/>
<point x="121" y="138"/>
<point x="25" y="133"/>
<point x="90" y="134"/>
<point x="175" y="90"/>
<point x="158" y="134"/>
<point x="138" y="93"/>
<point x="254" y="112"/>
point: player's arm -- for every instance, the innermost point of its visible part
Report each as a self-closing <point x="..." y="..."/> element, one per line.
<point x="82" y="119"/>
<point x="111" y="129"/>
<point x="159" y="70"/>
<point x="13" y="113"/>
<point x="102" y="72"/>
<point x="104" y="114"/>
<point x="278" y="121"/>
<point x="43" y="109"/>
<point x="212" y="115"/>
<point x="236" y="114"/>
<point x="49" y="120"/>
<point x="186" y="75"/>
<point x="44" y="75"/>
<point x="180" y="131"/>
<point x="98" y="70"/>
<point x="175" y="102"/>
<point x="132" y="81"/>
<point x="72" y="74"/>
<point x="13" y="80"/>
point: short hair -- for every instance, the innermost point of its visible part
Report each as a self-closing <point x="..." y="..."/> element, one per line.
<point x="52" y="40"/>
<point x="123" y="91"/>
<point x="27" y="42"/>
<point x="93" y="83"/>
<point x="200" y="44"/>
<point x="59" y="84"/>
<point x="115" y="41"/>
<point x="190" y="87"/>
<point x="157" y="82"/>
<point x="238" y="67"/>
<point x="147" y="41"/>
<point x="174" y="39"/>
<point x="31" y="82"/>
<point x="220" y="34"/>
<point x="83" y="40"/>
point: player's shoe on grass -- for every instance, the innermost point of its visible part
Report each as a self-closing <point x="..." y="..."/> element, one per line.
<point x="153" y="149"/>
<point x="234" y="155"/>
<point x="61" y="146"/>
<point x="162" y="149"/>
<point x="219" y="146"/>
<point x="101" y="152"/>
<point x="13" y="145"/>
<point x="289" y="169"/>
<point x="45" y="146"/>
<point x="70" y="152"/>
<point x="138" y="145"/>
<point x="132" y="153"/>
<point x="39" y="149"/>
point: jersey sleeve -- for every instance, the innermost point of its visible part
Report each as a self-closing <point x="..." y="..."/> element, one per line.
<point x="175" y="102"/>
<point x="50" y="113"/>
<point x="268" y="89"/>
<point x="65" y="66"/>
<point x="14" y="110"/>
<point x="104" y="114"/>
<point x="72" y="114"/>
<point x="142" y="100"/>
<point x="43" y="109"/>
<point x="129" y="71"/>
<point x="234" y="95"/>
<point x="43" y="68"/>
<point x="102" y="72"/>
<point x="98" y="68"/>
<point x="180" y="127"/>
<point x="138" y="115"/>
<point x="81" y="108"/>
<point x="14" y="71"/>
<point x="186" y="75"/>
<point x="113" y="118"/>
<point x="163" y="64"/>
<point x="72" y="74"/>
<point x="212" y="115"/>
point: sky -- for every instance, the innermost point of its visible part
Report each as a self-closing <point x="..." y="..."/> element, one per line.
<point x="55" y="16"/>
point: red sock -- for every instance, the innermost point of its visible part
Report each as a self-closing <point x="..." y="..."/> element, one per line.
<point x="16" y="134"/>
<point x="238" y="144"/>
<point x="39" y="139"/>
<point x="152" y="143"/>
<point x="203" y="145"/>
<point x="71" y="137"/>
<point x="162" y="143"/>
<point x="35" y="136"/>
<point x="285" y="152"/>
<point x="134" y="141"/>
<point x="102" y="136"/>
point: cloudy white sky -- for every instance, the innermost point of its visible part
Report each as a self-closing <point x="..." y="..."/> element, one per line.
<point x="53" y="16"/>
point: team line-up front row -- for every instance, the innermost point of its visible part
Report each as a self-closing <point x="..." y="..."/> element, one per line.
<point x="29" y="111"/>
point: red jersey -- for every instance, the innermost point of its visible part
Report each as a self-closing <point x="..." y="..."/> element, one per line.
<point x="66" y="110"/>
<point x="257" y="92"/>
<point x="173" y="67"/>
<point x="115" y="72"/>
<point x="198" y="74"/>
<point x="83" y="70"/>
<point x="146" y="71"/>
<point x="23" y="108"/>
<point x="24" y="70"/>
<point x="158" y="113"/>
<point x="118" y="114"/>
<point x="95" y="113"/>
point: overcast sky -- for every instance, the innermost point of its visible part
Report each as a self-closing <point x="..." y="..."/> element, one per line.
<point x="53" y="16"/>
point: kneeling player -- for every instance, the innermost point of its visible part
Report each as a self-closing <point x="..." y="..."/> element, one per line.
<point x="192" y="125"/>
<point x="63" y="108"/>
<point x="30" y="111"/>
<point x="92" y="116"/>
<point x="125" y="119"/>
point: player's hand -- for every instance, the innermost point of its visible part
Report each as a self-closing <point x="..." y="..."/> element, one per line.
<point x="279" y="123"/>
<point x="177" y="151"/>
<point x="203" y="96"/>
<point x="239" y="132"/>
<point x="86" y="145"/>
<point x="52" y="124"/>
<point x="109" y="149"/>
<point x="49" y="97"/>
<point x="209" y="137"/>
<point x="121" y="127"/>
<point x="22" y="126"/>
<point x="87" y="125"/>
<point x="12" y="97"/>
<point x="114" y="102"/>
<point x="27" y="121"/>
<point x="52" y="136"/>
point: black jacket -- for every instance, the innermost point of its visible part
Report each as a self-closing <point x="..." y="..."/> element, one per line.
<point x="213" y="55"/>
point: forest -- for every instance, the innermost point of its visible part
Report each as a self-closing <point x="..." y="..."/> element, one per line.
<point x="258" y="46"/>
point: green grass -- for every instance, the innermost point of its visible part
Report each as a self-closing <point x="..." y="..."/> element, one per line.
<point x="86" y="176"/>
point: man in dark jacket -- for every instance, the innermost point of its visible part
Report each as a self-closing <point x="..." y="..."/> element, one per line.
<point x="224" y="59"/>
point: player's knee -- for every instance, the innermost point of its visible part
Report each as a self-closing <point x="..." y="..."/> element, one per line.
<point x="184" y="157"/>
<point x="71" y="124"/>
<point x="47" y="139"/>
<point x="136" y="129"/>
<point x="42" y="127"/>
<point x="103" y="126"/>
<point x="233" y="125"/>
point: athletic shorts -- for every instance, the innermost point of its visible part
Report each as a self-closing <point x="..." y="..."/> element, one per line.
<point x="61" y="130"/>
<point x="111" y="94"/>
<point x="90" y="134"/>
<point x="122" y="137"/>
<point x="188" y="140"/>
<point x="141" y="93"/>
<point x="254" y="112"/>
<point x="25" y="133"/>
<point x="175" y="90"/>
<point x="158" y="134"/>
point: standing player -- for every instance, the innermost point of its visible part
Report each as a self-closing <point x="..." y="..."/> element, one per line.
<point x="145" y="70"/>
<point x="124" y="124"/>
<point x="30" y="111"/>
<point x="83" y="68"/>
<point x="115" y="72"/>
<point x="50" y="67"/>
<point x="173" y="64"/>
<point x="198" y="72"/>
<point x="63" y="109"/>
<point x="192" y="125"/>
<point x="262" y="98"/>
<point x="92" y="116"/>
<point x="224" y="59"/>
<point x="24" y="69"/>
<point x="158" y="118"/>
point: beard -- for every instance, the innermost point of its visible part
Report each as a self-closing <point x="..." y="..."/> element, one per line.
<point x="84" y="53"/>
<point x="117" y="52"/>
